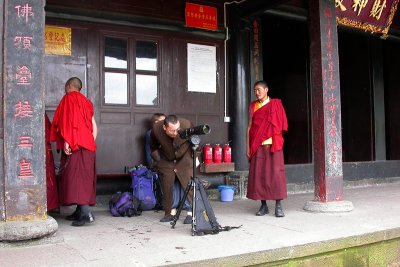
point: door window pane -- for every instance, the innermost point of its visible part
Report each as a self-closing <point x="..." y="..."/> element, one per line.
<point x="146" y="55"/>
<point x="115" y="55"/>
<point x="146" y="90"/>
<point x="116" y="88"/>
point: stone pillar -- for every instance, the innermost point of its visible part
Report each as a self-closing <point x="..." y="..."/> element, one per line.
<point x="326" y="113"/>
<point x="23" y="208"/>
<point x="2" y="208"/>
<point x="239" y="90"/>
<point x="379" y="99"/>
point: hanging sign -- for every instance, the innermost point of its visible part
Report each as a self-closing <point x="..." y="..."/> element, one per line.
<point x="57" y="40"/>
<point x="199" y="16"/>
<point x="368" y="15"/>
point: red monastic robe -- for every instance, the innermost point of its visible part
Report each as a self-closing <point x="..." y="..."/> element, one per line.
<point x="72" y="123"/>
<point x="267" y="179"/>
<point x="268" y="121"/>
<point x="51" y="181"/>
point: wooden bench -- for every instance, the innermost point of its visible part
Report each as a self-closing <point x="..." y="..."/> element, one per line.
<point x="217" y="167"/>
<point x="110" y="183"/>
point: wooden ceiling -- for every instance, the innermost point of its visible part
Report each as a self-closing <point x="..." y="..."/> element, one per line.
<point x="161" y="9"/>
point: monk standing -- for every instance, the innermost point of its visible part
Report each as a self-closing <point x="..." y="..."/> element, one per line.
<point x="74" y="130"/>
<point x="51" y="181"/>
<point x="267" y="124"/>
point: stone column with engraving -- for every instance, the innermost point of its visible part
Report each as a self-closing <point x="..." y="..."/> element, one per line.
<point x="326" y="113"/>
<point x="23" y="177"/>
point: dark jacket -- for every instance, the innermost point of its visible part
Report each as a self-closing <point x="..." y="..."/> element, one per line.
<point x="175" y="160"/>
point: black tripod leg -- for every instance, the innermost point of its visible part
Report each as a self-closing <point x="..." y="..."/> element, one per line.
<point x="194" y="222"/>
<point x="181" y="203"/>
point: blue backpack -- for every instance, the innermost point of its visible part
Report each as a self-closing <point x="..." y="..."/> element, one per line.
<point x="143" y="186"/>
<point x="124" y="204"/>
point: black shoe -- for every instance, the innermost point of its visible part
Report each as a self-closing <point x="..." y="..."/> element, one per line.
<point x="279" y="211"/>
<point x="262" y="211"/>
<point x="167" y="218"/>
<point x="83" y="220"/>
<point x="74" y="216"/>
<point x="188" y="219"/>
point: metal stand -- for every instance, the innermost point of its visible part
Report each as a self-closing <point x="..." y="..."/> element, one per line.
<point x="195" y="141"/>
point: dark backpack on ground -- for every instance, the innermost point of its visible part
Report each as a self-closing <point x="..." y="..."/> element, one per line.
<point x="206" y="222"/>
<point x="158" y="192"/>
<point x="143" y="187"/>
<point x="124" y="204"/>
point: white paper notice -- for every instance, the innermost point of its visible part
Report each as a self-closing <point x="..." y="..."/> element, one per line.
<point x="202" y="70"/>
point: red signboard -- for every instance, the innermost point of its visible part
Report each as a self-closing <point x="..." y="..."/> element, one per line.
<point x="199" y="16"/>
<point x="369" y="15"/>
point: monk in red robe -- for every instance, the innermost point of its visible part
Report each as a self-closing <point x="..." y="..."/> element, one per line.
<point x="51" y="181"/>
<point x="74" y="130"/>
<point x="267" y="124"/>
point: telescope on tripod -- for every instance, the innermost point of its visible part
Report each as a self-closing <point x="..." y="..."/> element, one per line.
<point x="203" y="217"/>
<point x="197" y="130"/>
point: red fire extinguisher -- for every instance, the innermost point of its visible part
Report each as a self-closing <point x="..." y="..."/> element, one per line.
<point x="217" y="152"/>
<point x="227" y="151"/>
<point x="207" y="154"/>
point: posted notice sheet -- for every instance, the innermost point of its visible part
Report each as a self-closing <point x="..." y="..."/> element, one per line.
<point x="202" y="68"/>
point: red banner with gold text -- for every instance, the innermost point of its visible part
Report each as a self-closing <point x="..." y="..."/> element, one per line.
<point x="368" y="15"/>
<point x="199" y="16"/>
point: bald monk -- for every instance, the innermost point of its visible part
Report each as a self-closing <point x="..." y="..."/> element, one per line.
<point x="74" y="130"/>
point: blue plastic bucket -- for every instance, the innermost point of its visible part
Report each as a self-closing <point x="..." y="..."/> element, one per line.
<point x="226" y="192"/>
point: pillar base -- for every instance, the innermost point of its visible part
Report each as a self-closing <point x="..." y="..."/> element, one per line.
<point x="329" y="207"/>
<point x="25" y="230"/>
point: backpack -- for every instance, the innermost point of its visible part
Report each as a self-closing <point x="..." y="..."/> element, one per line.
<point x="124" y="204"/>
<point x="205" y="220"/>
<point x="143" y="186"/>
<point x="158" y="192"/>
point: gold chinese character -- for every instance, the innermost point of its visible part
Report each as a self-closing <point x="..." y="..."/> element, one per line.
<point x="360" y="4"/>
<point x="339" y="3"/>
<point x="377" y="8"/>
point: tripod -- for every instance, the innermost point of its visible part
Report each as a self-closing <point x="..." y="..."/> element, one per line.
<point x="195" y="141"/>
<point x="203" y="217"/>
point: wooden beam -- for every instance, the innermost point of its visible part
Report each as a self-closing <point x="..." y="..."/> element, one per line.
<point x="255" y="7"/>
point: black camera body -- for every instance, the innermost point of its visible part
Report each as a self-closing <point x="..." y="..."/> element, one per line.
<point x="197" y="130"/>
